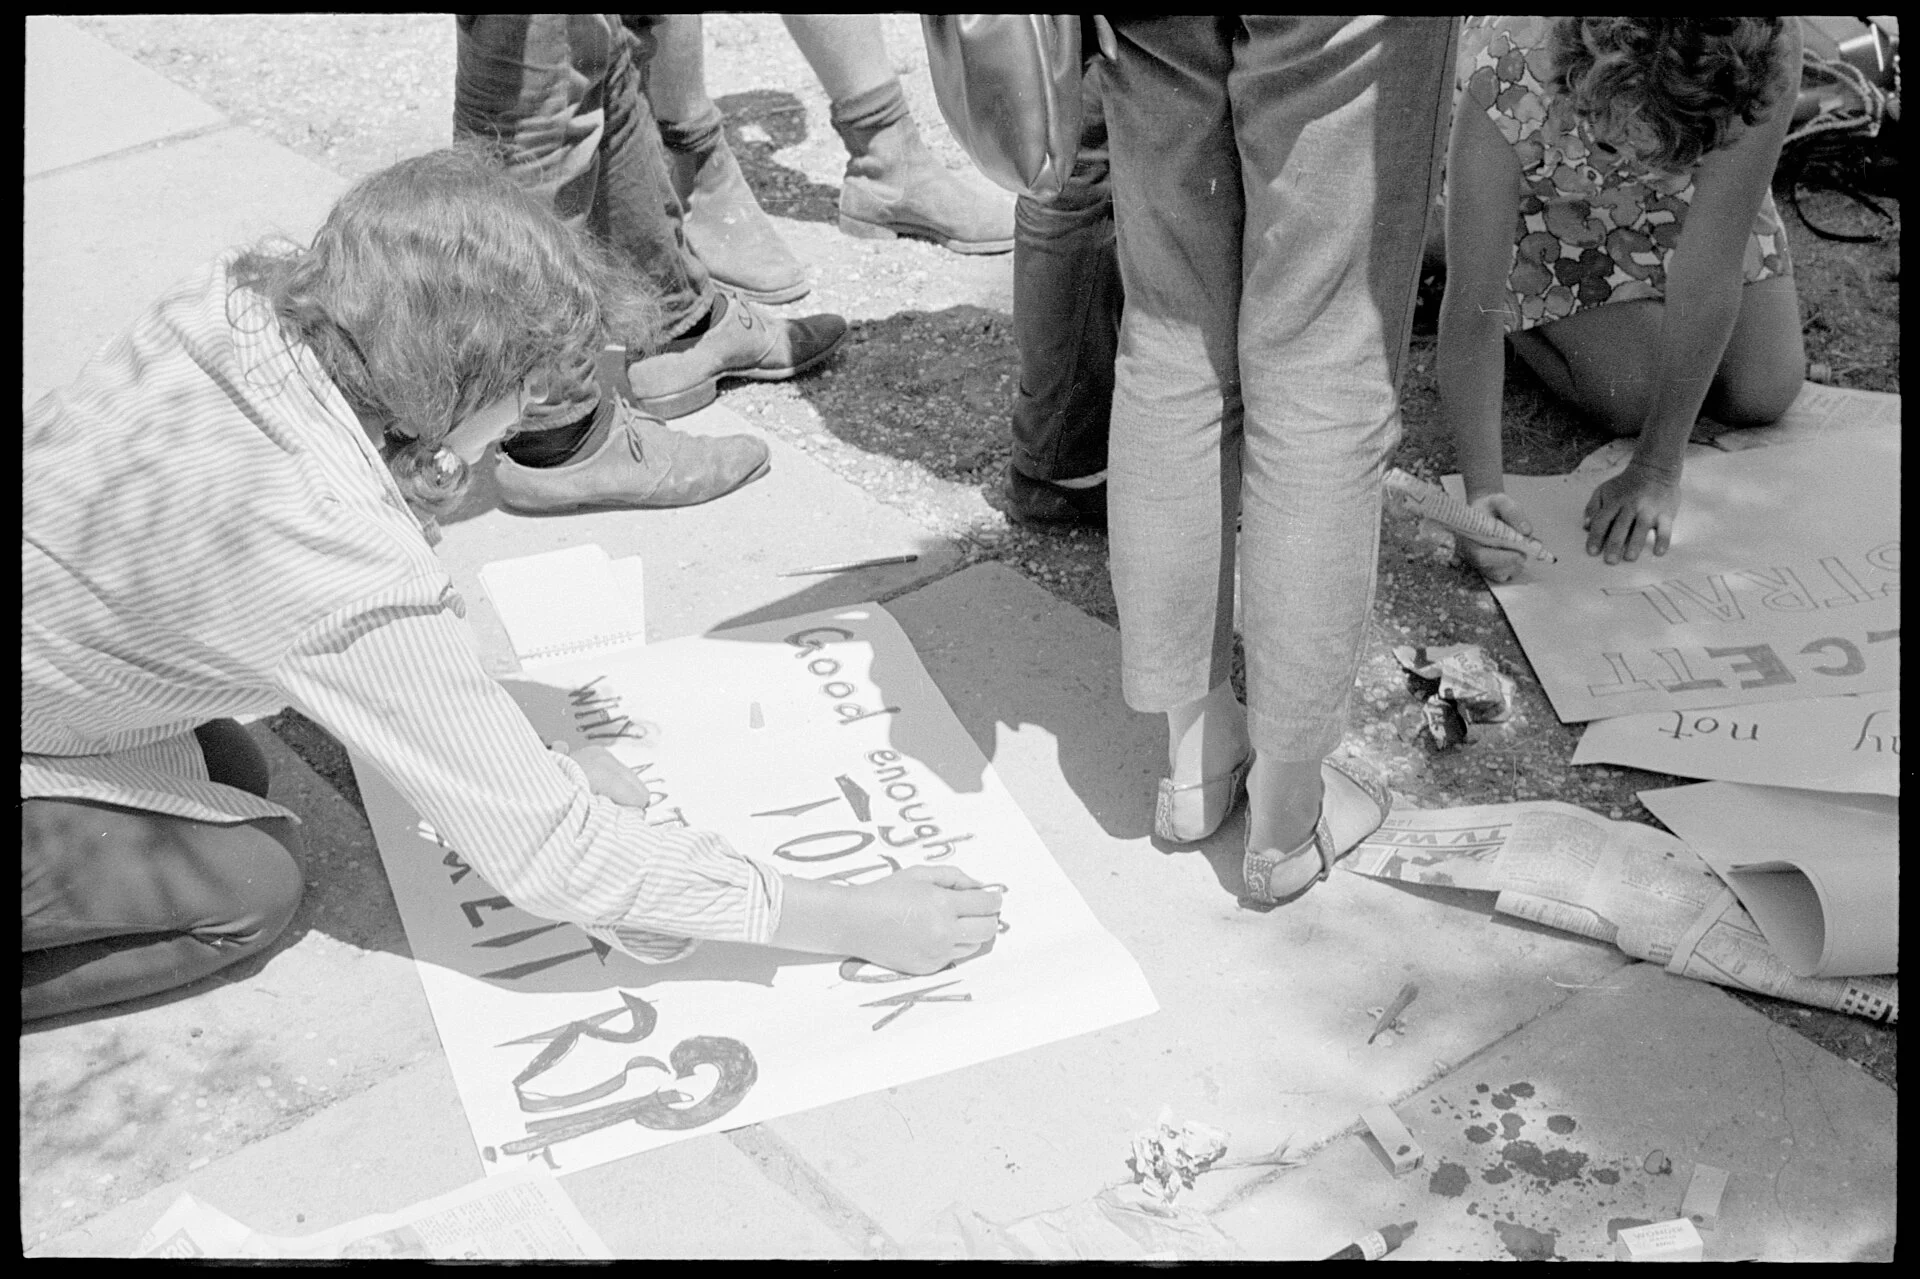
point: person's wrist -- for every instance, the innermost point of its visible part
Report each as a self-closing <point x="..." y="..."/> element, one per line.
<point x="1652" y="464"/>
<point x="816" y="917"/>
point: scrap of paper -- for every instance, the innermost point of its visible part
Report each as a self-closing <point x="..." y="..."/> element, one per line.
<point x="1782" y="583"/>
<point x="524" y="1216"/>
<point x="562" y="603"/>
<point x="1622" y="883"/>
<point x="1822" y="743"/>
<point x="1819" y="873"/>
<point x="571" y="1053"/>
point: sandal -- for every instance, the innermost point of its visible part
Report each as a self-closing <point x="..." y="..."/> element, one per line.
<point x="1215" y="796"/>
<point x="1258" y="867"/>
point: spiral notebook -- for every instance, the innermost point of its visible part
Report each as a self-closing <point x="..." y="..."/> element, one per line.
<point x="564" y="603"/>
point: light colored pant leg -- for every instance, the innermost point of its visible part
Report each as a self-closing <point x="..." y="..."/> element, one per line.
<point x="1340" y="125"/>
<point x="1271" y="184"/>
<point x="1173" y="461"/>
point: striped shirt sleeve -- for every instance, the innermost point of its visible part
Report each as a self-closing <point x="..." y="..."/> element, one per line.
<point x="395" y="678"/>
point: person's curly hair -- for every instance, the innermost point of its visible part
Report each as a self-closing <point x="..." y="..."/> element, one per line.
<point x="1674" y="86"/>
<point x="435" y="287"/>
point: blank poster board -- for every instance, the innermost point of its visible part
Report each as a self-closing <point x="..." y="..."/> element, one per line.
<point x="1819" y="873"/>
<point x="1782" y="583"/>
<point x="820" y="742"/>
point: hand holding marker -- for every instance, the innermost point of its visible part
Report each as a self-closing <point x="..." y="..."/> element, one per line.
<point x="1431" y="502"/>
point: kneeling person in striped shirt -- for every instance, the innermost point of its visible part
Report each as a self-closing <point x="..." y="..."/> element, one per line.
<point x="230" y="510"/>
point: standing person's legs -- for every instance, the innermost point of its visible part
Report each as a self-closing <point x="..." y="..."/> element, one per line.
<point x="1339" y="124"/>
<point x="564" y="95"/>
<point x="1174" y="452"/>
<point x="725" y="225"/>
<point x="561" y="95"/>
<point x="893" y="184"/>
<point x="1066" y="324"/>
<point x="118" y="904"/>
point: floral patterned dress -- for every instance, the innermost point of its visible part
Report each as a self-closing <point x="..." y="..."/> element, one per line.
<point x="1594" y="226"/>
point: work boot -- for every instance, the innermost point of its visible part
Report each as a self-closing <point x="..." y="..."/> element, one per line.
<point x="725" y="226"/>
<point x="639" y="463"/>
<point x="895" y="186"/>
<point x="1032" y="501"/>
<point x="740" y="341"/>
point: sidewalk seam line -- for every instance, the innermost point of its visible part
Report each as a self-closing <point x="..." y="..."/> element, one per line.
<point x="787" y="1169"/>
<point x="190" y="135"/>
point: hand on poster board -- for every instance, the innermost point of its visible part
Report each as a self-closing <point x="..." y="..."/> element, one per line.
<point x="1635" y="505"/>
<point x="606" y="775"/>
<point x="917" y="920"/>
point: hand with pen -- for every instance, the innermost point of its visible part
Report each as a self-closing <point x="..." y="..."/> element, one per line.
<point x="916" y="920"/>
<point x="1497" y="563"/>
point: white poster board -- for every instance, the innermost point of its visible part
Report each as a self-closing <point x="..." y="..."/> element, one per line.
<point x="1819" y="873"/>
<point x="1822" y="743"/>
<point x="821" y="742"/>
<point x="1782" y="583"/>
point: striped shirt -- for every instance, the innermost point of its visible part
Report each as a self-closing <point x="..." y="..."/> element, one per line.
<point x="209" y="532"/>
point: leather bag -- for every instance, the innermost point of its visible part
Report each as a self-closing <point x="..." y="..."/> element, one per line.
<point x="1009" y="87"/>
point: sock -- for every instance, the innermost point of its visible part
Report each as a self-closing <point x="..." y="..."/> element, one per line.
<point x="1082" y="482"/>
<point x="871" y="111"/>
<point x="698" y="135"/>
<point x="715" y="313"/>
<point x="557" y="444"/>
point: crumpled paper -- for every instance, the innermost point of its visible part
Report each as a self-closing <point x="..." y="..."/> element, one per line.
<point x="1121" y="1223"/>
<point x="1166" y="1158"/>
<point x="1472" y="688"/>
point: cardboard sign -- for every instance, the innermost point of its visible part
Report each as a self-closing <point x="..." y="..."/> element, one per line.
<point x="821" y="743"/>
<point x="1823" y="743"/>
<point x="1782" y="583"/>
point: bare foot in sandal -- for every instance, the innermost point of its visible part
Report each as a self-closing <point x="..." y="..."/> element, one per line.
<point x="1302" y="818"/>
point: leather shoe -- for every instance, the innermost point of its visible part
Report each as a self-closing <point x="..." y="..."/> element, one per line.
<point x="741" y="341"/>
<point x="895" y="186"/>
<point x="727" y="229"/>
<point x="641" y="464"/>
<point x="1031" y="501"/>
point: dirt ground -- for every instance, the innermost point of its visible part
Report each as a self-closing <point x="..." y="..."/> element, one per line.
<point x="916" y="408"/>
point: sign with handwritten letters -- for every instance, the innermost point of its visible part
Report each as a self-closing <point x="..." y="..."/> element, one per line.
<point x="1823" y="743"/>
<point x="1782" y="583"/>
<point x="821" y="743"/>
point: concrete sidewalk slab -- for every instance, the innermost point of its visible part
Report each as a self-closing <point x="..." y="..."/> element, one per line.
<point x="1263" y="1016"/>
<point x="1538" y="1148"/>
<point x="70" y="75"/>
<point x="406" y="1140"/>
<point x="712" y="565"/>
<point x="111" y="1106"/>
<point x="102" y="241"/>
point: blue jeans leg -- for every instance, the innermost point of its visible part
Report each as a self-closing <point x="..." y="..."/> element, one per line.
<point x="564" y="93"/>
<point x="1066" y="311"/>
<point x="1271" y="180"/>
